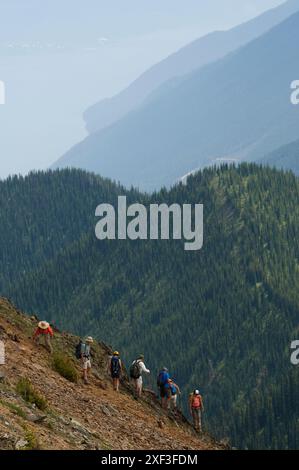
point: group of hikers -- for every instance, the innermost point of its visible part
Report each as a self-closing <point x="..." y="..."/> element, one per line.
<point x="168" y="389"/>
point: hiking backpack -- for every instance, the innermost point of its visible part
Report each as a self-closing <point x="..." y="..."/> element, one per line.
<point x="196" y="402"/>
<point x="135" y="370"/>
<point x="115" y="365"/>
<point x="78" y="349"/>
<point x="162" y="378"/>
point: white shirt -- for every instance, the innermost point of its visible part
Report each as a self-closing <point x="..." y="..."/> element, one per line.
<point x="142" y="367"/>
<point x="2" y="353"/>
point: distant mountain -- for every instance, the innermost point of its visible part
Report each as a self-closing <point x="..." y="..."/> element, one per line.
<point x="238" y="107"/>
<point x="286" y="157"/>
<point x="221" y="318"/>
<point x="207" y="49"/>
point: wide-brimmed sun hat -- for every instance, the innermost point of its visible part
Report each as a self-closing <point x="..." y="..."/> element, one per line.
<point x="89" y="339"/>
<point x="43" y="325"/>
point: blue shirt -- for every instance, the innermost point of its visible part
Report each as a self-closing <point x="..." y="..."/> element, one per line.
<point x="164" y="377"/>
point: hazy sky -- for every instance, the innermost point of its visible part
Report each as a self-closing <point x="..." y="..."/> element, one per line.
<point x="57" y="57"/>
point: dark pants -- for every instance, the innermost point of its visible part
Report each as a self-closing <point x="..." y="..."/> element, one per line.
<point x="196" y="415"/>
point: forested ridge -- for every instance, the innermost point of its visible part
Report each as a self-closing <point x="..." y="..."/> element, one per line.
<point x="221" y="318"/>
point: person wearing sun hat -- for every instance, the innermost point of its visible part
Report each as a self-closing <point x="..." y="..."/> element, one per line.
<point x="44" y="331"/>
<point x="136" y="370"/>
<point x="85" y="357"/>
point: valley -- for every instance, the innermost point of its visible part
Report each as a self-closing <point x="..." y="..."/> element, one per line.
<point x="226" y="312"/>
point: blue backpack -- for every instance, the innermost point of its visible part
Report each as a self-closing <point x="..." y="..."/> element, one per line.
<point x="162" y="378"/>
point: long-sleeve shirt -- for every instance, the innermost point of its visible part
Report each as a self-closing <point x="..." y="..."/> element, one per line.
<point x="143" y="368"/>
<point x="40" y="331"/>
<point x="164" y="378"/>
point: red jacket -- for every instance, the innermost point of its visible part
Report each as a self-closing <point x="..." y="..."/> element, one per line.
<point x="40" y="331"/>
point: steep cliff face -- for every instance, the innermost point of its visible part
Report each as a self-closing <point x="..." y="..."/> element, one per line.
<point x="62" y="414"/>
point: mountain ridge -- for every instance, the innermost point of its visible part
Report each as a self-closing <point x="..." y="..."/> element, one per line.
<point x="202" y="51"/>
<point x="285" y="157"/>
<point x="233" y="108"/>
<point x="227" y="312"/>
<point x="78" y="417"/>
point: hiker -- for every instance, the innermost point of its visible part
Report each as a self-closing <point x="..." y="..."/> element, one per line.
<point x="136" y="370"/>
<point x="115" y="369"/>
<point x="175" y="391"/>
<point x="85" y="357"/>
<point x="164" y="386"/>
<point x="196" y="409"/>
<point x="45" y="331"/>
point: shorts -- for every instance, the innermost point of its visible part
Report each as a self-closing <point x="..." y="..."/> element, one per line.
<point x="165" y="392"/>
<point x="115" y="375"/>
<point x="86" y="364"/>
<point x="138" y="382"/>
<point x="173" y="400"/>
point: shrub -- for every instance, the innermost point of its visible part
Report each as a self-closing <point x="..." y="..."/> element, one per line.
<point x="65" y="367"/>
<point x="14" y="409"/>
<point x="28" y="392"/>
<point x="32" y="441"/>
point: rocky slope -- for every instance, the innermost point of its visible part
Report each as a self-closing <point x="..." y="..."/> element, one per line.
<point x="77" y="416"/>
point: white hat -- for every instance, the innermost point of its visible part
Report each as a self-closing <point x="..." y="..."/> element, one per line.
<point x="89" y="339"/>
<point x="196" y="392"/>
<point x="43" y="325"/>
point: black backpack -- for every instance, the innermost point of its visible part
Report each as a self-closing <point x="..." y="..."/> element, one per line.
<point x="78" y="349"/>
<point x="135" y="370"/>
<point x="115" y="365"/>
